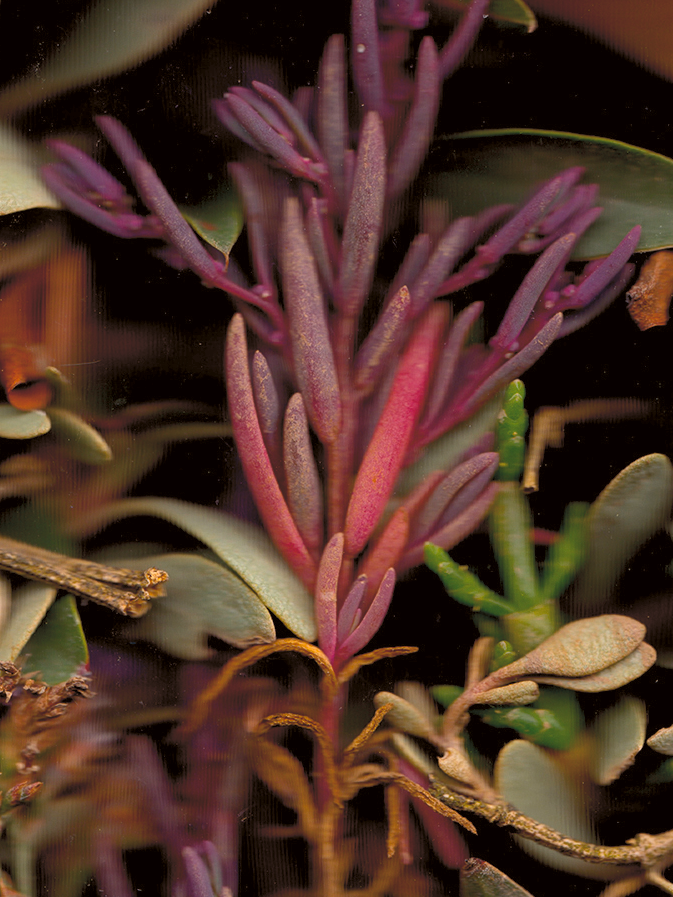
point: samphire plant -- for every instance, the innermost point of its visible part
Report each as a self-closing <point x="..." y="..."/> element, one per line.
<point x="377" y="423"/>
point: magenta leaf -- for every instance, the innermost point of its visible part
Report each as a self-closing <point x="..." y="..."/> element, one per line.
<point x="304" y="490"/>
<point x="326" y="587"/>
<point x="371" y="621"/>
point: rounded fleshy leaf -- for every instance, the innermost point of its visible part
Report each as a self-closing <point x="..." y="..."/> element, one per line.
<point x="479" y="879"/>
<point x="30" y="603"/>
<point x="218" y="221"/>
<point x="203" y="598"/>
<point x="621" y="673"/>
<point x="517" y="694"/>
<point x="580" y="648"/>
<point x="15" y="424"/>
<point x="57" y="649"/>
<point x="81" y="440"/>
<point x="504" y="166"/>
<point x="530" y="780"/>
<point x="628" y="512"/>
<point x="242" y="547"/>
<point x="662" y="741"/>
<point x="619" y="734"/>
<point x="455" y="764"/>
<point x="21" y="186"/>
<point x="404" y="716"/>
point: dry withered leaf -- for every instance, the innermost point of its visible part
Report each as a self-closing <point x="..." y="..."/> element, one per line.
<point x="649" y="298"/>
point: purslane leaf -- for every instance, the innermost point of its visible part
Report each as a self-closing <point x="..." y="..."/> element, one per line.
<point x="57" y="649"/>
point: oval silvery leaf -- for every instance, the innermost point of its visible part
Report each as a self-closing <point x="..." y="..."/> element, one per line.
<point x="662" y="741"/>
<point x="21" y="186"/>
<point x="15" y="424"/>
<point x="618" y="674"/>
<point x="537" y="786"/>
<point x="112" y="36"/>
<point x="404" y="716"/>
<point x="580" y="648"/>
<point x="628" y="512"/>
<point x="244" y="548"/>
<point x="81" y="440"/>
<point x="30" y="603"/>
<point x="619" y="734"/>
<point x="517" y="694"/>
<point x="504" y="166"/>
<point x="203" y="598"/>
<point x="479" y="879"/>
<point x="57" y="649"/>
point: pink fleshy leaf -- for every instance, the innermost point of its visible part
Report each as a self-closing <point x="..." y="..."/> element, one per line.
<point x="304" y="490"/>
<point x="326" y="587"/>
<point x="371" y="621"/>
<point x="383" y="459"/>
<point x="255" y="459"/>
<point x="350" y="614"/>
<point x="386" y="552"/>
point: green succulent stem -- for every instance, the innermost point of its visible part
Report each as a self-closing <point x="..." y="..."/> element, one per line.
<point x="566" y="556"/>
<point x="510" y="525"/>
<point x="462" y="585"/>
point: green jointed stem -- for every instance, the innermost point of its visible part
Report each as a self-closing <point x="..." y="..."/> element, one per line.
<point x="510" y="430"/>
<point x="566" y="556"/>
<point x="510" y="525"/>
<point x="464" y="586"/>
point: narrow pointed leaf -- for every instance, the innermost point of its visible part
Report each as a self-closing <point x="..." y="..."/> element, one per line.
<point x="30" y="603"/>
<point x="80" y="439"/>
<point x="326" y="587"/>
<point x="479" y="879"/>
<point x="372" y="620"/>
<point x="218" y="221"/>
<point x="57" y="649"/>
<point x="304" y="489"/>
<point x="636" y="185"/>
<point x="619" y="734"/>
<point x="242" y="547"/>
<point x="628" y="512"/>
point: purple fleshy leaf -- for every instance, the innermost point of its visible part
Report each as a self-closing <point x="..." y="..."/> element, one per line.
<point x="581" y="198"/>
<point x="600" y="277"/>
<point x="267" y="404"/>
<point x="364" y="218"/>
<point x="93" y="176"/>
<point x="199" y="883"/>
<point x="268" y="113"/>
<point x="332" y="116"/>
<point x="453" y="244"/>
<point x="413" y="263"/>
<point x="253" y="206"/>
<point x="232" y="124"/>
<point x="412" y="146"/>
<point x="382" y="343"/>
<point x="304" y="490"/>
<point x="294" y="120"/>
<point x="255" y="459"/>
<point x="316" y="225"/>
<point x="574" y="321"/>
<point x="121" y="140"/>
<point x="350" y="613"/>
<point x="371" y="622"/>
<point x="386" y="551"/>
<point x="366" y="59"/>
<point x="327" y="584"/>
<point x="462" y="38"/>
<point x="404" y="14"/>
<point x="307" y="314"/>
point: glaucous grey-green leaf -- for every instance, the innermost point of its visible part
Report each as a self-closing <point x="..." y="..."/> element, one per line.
<point x="479" y="879"/>
<point x="203" y="598"/>
<point x="218" y="221"/>
<point x="504" y="12"/>
<point x="537" y="786"/>
<point x="15" y="424"/>
<point x="404" y="716"/>
<point x="517" y="694"/>
<point x="662" y="741"/>
<point x="445" y="451"/>
<point x="484" y="168"/>
<point x="57" y="649"/>
<point x="619" y="734"/>
<point x="628" y="512"/>
<point x="244" y="548"/>
<point x="21" y="186"/>
<point x="30" y="602"/>
<point x="81" y="440"/>
<point x="455" y="764"/>
<point x="112" y="36"/>
<point x="621" y="673"/>
<point x="580" y="648"/>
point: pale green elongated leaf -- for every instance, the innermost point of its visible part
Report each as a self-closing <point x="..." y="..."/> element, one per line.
<point x="82" y="441"/>
<point x="619" y="734"/>
<point x="662" y="741"/>
<point x="445" y="451"/>
<point x="218" y="221"/>
<point x="484" y="168"/>
<point x="580" y="648"/>
<point x="504" y="12"/>
<point x="21" y="186"/>
<point x="479" y="879"/>
<point x="628" y="512"/>
<point x="57" y="649"/>
<point x="15" y="424"/>
<point x="530" y="780"/>
<point x="404" y="716"/>
<point x="30" y="603"/>
<point x="244" y="548"/>
<point x="203" y="598"/>
<point x="621" y="673"/>
<point x="114" y="35"/>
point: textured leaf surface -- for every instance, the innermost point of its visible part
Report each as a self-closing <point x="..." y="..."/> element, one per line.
<point x="662" y="741"/>
<point x="113" y="36"/>
<point x="620" y="734"/>
<point x="618" y="674"/>
<point x="504" y="166"/>
<point x="30" y="603"/>
<point x="203" y="598"/>
<point x="57" y="648"/>
<point x="479" y="879"/>
<point x="628" y="512"/>
<point x="21" y="186"/>
<point x="242" y="547"/>
<point x="15" y="424"/>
